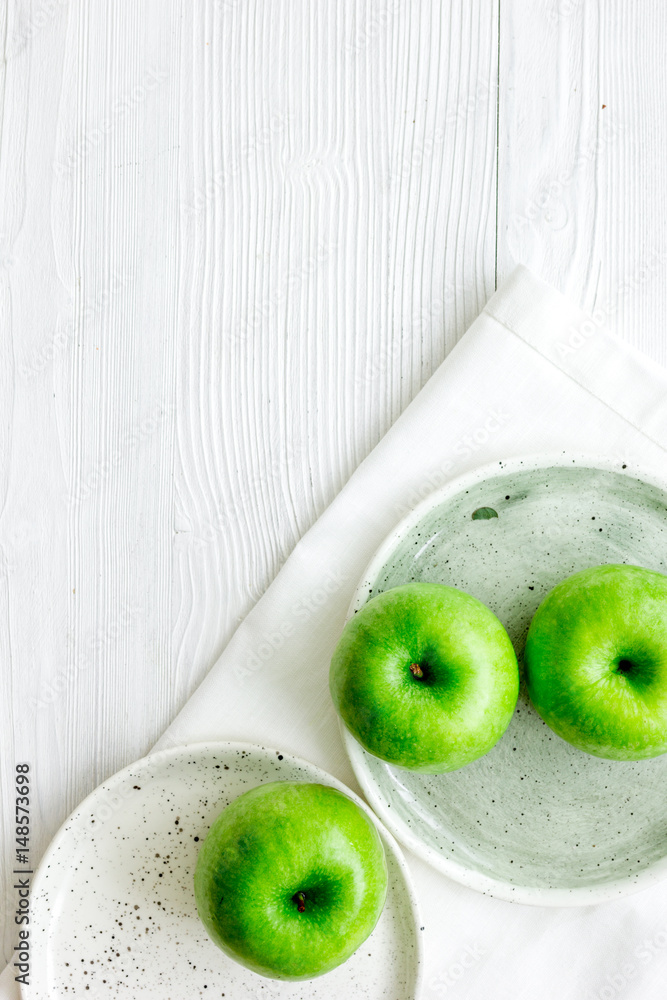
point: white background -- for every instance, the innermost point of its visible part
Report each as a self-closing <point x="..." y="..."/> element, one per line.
<point x="236" y="238"/>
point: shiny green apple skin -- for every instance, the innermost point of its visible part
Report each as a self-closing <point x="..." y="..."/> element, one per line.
<point x="272" y="843"/>
<point x="462" y="704"/>
<point x="596" y="661"/>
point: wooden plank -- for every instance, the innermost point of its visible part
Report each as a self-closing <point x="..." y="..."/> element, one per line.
<point x="582" y="147"/>
<point x="89" y="154"/>
<point x="344" y="212"/>
<point x="237" y="238"/>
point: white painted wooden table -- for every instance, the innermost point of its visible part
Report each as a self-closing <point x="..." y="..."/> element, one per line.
<point x="236" y="238"/>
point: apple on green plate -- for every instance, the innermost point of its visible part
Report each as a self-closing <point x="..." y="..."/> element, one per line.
<point x="425" y="677"/>
<point x="596" y="661"/>
<point x="291" y="879"/>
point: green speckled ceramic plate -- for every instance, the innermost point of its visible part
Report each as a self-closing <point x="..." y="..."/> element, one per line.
<point x="535" y="820"/>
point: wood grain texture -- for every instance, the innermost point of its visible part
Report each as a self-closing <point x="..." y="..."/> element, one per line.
<point x="236" y="238"/>
<point x="582" y="148"/>
<point x="344" y="211"/>
<point x="89" y="154"/>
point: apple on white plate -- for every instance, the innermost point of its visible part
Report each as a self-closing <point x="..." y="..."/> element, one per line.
<point x="291" y="879"/>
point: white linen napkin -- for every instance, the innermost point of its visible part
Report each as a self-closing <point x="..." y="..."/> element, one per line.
<point x="532" y="375"/>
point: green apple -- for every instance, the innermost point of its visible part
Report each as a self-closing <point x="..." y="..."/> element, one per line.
<point x="291" y="879"/>
<point x="425" y="677"/>
<point x="596" y="661"/>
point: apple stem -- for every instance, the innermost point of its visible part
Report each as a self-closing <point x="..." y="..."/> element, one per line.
<point x="300" y="900"/>
<point x="416" y="670"/>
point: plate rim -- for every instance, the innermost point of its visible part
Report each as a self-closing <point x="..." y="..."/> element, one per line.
<point x="33" y="990"/>
<point x="532" y="461"/>
<point x="469" y="877"/>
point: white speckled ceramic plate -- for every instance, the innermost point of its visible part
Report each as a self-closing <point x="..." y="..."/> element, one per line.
<point x="535" y="820"/>
<point x="113" y="908"/>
